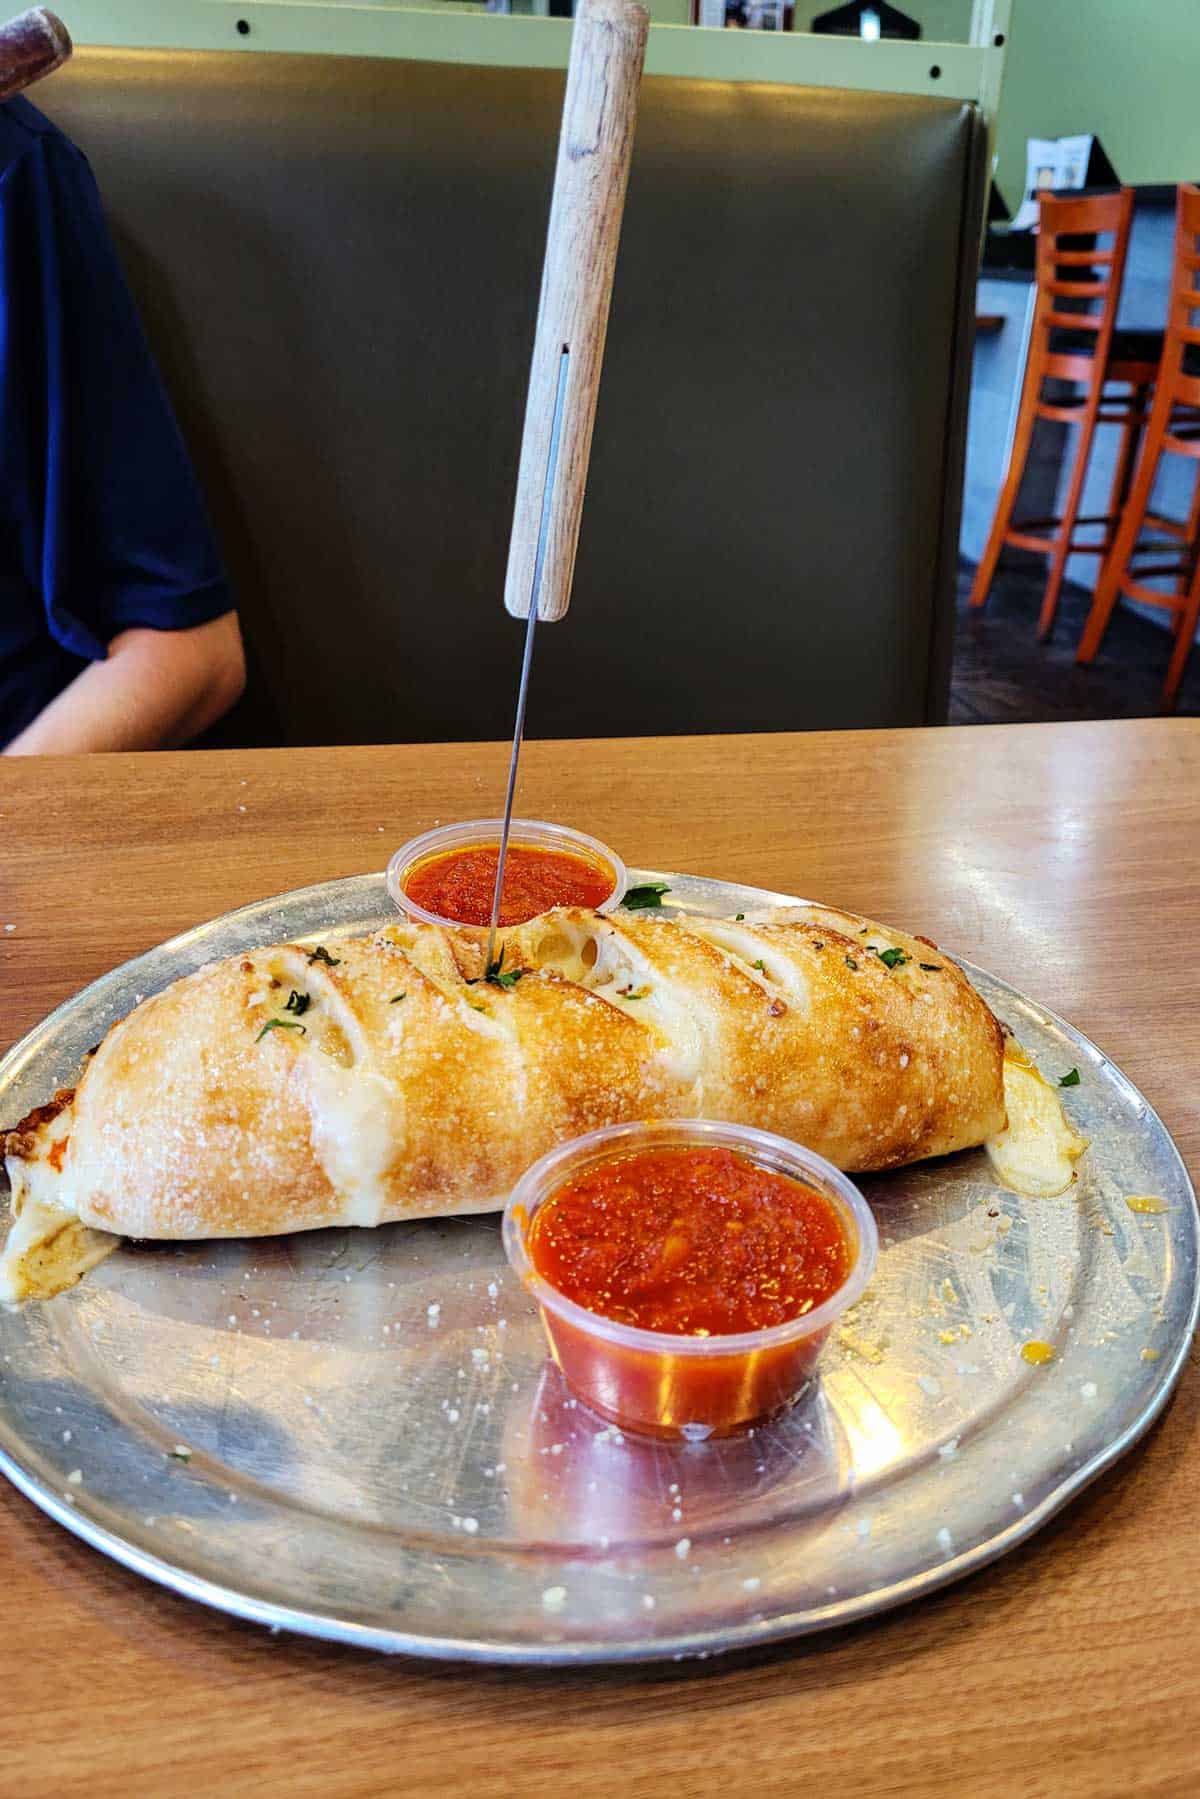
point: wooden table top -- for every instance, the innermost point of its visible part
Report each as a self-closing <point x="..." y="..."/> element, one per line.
<point x="1064" y="857"/>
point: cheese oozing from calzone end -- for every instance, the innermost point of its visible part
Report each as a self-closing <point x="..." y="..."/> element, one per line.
<point x="1036" y="1152"/>
<point x="47" y="1249"/>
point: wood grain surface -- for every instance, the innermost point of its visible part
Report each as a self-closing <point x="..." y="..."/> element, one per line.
<point x="1064" y="857"/>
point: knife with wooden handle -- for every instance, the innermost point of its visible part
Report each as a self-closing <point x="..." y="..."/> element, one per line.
<point x="608" y="46"/>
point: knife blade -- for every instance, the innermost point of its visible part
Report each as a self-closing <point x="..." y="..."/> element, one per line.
<point x="595" y="147"/>
<point x="539" y="563"/>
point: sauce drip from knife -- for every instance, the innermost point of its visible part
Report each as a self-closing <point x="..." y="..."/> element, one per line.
<point x="459" y="884"/>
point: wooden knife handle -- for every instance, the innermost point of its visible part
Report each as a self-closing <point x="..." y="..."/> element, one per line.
<point x="594" y="151"/>
<point x="33" y="44"/>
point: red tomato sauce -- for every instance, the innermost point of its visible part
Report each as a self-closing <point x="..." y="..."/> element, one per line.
<point x="700" y="1242"/>
<point x="459" y="883"/>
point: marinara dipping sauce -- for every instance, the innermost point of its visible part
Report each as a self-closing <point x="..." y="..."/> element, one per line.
<point x="688" y="1272"/>
<point x="448" y="876"/>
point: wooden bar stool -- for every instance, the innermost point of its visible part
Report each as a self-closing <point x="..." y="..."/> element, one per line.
<point x="1174" y="429"/>
<point x="1082" y="347"/>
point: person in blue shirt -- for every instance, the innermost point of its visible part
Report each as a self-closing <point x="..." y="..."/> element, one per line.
<point x="117" y="627"/>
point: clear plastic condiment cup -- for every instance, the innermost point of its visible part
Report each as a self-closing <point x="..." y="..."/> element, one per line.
<point x="475" y="833"/>
<point x="658" y="1382"/>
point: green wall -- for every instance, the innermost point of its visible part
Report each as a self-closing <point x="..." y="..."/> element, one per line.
<point x="1128" y="70"/>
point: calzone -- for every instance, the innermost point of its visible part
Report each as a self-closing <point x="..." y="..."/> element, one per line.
<point x="391" y="1076"/>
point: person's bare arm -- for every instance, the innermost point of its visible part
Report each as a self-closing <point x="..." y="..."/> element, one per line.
<point x="155" y="691"/>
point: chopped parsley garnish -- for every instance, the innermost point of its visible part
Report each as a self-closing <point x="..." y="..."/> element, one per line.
<point x="179" y="1454"/>
<point x="1069" y="1080"/>
<point x="851" y="963"/>
<point x="646" y="897"/>
<point x="281" y="1024"/>
<point x="738" y="917"/>
<point x="760" y="965"/>
<point x="396" y="998"/>
<point x="297" y="1003"/>
<point x="634" y="992"/>
<point x="321" y="954"/>
<point x="892" y="958"/>
<point x="930" y="967"/>
<point x="499" y="976"/>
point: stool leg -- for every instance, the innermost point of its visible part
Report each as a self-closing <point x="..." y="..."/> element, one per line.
<point x="1123" y="473"/>
<point x="1184" y="637"/>
<point x="1066" y="530"/>
<point x="1116" y="563"/>
<point x="1191" y="551"/>
<point x="1010" y="487"/>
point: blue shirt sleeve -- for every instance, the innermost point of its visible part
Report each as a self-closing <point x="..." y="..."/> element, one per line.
<point x="102" y="524"/>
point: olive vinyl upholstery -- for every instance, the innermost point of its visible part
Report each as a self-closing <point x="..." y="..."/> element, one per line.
<point x="338" y="263"/>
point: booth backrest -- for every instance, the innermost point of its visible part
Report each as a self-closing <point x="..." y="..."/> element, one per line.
<point x="338" y="263"/>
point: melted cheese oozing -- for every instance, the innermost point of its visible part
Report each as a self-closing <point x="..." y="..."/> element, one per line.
<point x="351" y="1112"/>
<point x="615" y="970"/>
<point x="351" y="1108"/>
<point x="48" y="1249"/>
<point x="1035" y="1154"/>
<point x="777" y="971"/>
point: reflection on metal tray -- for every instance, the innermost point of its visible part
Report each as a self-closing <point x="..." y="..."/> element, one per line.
<point x="357" y="1433"/>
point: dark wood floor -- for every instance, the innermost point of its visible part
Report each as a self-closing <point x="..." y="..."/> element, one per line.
<point x="1003" y="675"/>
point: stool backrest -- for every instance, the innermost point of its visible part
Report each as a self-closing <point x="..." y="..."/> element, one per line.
<point x="1182" y="332"/>
<point x="1083" y="275"/>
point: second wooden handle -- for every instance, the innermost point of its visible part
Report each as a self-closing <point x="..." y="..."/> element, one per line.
<point x="32" y="45"/>
<point x="599" y="115"/>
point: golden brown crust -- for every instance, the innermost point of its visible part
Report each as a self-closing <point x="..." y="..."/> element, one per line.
<point x="21" y="1142"/>
<point x="277" y="1091"/>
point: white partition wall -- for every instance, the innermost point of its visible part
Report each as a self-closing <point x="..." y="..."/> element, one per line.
<point x="455" y="32"/>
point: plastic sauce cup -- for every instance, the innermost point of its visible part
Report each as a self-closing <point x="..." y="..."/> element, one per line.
<point x="477" y="833"/>
<point x="658" y="1382"/>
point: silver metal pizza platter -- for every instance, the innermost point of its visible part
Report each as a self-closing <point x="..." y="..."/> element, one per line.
<point x="357" y="1434"/>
